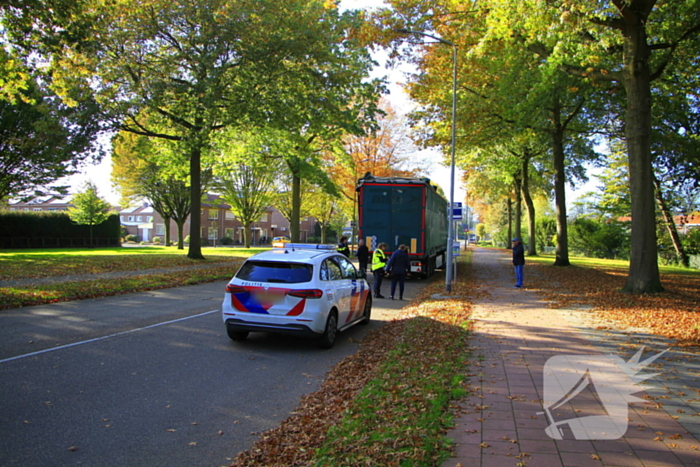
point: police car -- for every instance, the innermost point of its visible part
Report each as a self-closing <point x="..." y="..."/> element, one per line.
<point x="302" y="289"/>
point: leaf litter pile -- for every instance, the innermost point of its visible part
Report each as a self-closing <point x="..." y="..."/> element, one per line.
<point x="389" y="403"/>
<point x="674" y="313"/>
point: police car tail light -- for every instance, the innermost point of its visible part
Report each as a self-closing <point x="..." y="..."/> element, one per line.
<point x="230" y="288"/>
<point x="307" y="293"/>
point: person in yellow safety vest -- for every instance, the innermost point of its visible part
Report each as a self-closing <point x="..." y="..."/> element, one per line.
<point x="343" y="247"/>
<point x="378" y="263"/>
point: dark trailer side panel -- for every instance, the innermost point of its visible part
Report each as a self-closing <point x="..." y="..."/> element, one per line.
<point x="407" y="211"/>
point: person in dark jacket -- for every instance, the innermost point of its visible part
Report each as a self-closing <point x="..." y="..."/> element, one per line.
<point x="398" y="266"/>
<point x="518" y="262"/>
<point x="362" y="255"/>
<point x="343" y="247"/>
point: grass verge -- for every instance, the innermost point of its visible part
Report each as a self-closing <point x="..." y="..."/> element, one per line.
<point x="14" y="297"/>
<point x="405" y="405"/>
<point x="23" y="264"/>
<point x="23" y="271"/>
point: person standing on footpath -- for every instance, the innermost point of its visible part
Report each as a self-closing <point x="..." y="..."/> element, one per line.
<point x="362" y="255"/>
<point x="378" y="264"/>
<point x="343" y="247"/>
<point x="398" y="266"/>
<point x="518" y="262"/>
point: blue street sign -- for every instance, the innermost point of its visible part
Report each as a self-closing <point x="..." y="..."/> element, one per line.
<point x="456" y="211"/>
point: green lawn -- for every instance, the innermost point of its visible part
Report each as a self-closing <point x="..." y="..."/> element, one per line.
<point x="45" y="263"/>
<point x="20" y="264"/>
<point x="600" y="263"/>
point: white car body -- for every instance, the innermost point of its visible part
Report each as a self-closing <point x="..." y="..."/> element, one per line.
<point x="295" y="290"/>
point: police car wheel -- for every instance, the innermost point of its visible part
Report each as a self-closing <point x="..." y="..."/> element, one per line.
<point x="367" y="312"/>
<point x="331" y="331"/>
<point x="237" y="335"/>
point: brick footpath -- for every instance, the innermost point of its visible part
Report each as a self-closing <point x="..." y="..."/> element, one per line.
<point x="502" y="424"/>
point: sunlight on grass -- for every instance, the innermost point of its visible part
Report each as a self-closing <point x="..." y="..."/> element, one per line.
<point x="35" y="264"/>
<point x="600" y="263"/>
<point x="122" y="251"/>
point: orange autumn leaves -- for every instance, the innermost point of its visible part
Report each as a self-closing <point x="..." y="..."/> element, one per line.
<point x="674" y="313"/>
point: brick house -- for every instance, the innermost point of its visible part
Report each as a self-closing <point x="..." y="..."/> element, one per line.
<point x="40" y="203"/>
<point x="686" y="222"/>
<point x="217" y="222"/>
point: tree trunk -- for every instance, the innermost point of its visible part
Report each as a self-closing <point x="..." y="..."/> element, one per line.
<point x="296" y="207"/>
<point x="644" y="269"/>
<point x="562" y="251"/>
<point x="509" y="207"/>
<point x="167" y="230"/>
<point x="195" y="250"/>
<point x="671" y="226"/>
<point x="518" y="208"/>
<point x="525" y="190"/>
<point x="247" y="235"/>
<point x="180" y="230"/>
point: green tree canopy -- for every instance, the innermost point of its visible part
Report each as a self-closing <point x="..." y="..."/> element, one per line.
<point x="42" y="139"/>
<point x="200" y="66"/>
<point x="88" y="208"/>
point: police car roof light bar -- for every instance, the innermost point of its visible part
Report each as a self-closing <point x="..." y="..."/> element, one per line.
<point x="305" y="246"/>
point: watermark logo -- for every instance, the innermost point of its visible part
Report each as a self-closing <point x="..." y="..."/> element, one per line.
<point x="607" y="380"/>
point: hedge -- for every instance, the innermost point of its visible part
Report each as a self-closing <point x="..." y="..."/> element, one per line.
<point x="46" y="229"/>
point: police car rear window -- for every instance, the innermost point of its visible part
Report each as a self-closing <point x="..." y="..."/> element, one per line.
<point x="271" y="271"/>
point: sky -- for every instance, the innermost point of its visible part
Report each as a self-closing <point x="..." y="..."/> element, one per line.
<point x="440" y="174"/>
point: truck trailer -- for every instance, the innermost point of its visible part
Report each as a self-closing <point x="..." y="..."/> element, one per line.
<point x="409" y="211"/>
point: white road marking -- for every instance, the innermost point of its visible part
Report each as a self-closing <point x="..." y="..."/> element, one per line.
<point x="61" y="347"/>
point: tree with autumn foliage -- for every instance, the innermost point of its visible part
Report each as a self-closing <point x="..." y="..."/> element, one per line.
<point x="148" y="168"/>
<point x="502" y="90"/>
<point x="619" y="46"/>
<point x="197" y="67"/>
<point x="626" y="44"/>
<point x="384" y="151"/>
<point x="246" y="175"/>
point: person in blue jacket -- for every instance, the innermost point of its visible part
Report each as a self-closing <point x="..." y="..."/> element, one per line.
<point x="398" y="266"/>
<point x="518" y="262"/>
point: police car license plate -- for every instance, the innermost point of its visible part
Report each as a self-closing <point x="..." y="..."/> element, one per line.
<point x="269" y="297"/>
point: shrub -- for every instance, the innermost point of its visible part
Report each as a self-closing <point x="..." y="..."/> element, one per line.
<point x="691" y="242"/>
<point x="606" y="239"/>
<point x="226" y="241"/>
<point x="132" y="238"/>
<point x="157" y="240"/>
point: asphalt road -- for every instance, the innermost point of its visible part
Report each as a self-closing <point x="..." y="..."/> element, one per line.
<point x="150" y="379"/>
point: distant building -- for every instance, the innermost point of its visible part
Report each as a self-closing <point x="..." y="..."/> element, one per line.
<point x="686" y="222"/>
<point x="41" y="203"/>
<point x="216" y="221"/>
<point x="138" y="220"/>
